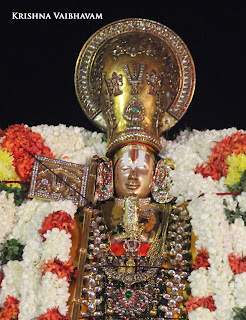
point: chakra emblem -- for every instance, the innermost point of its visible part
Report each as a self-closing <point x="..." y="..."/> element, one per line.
<point x="134" y="112"/>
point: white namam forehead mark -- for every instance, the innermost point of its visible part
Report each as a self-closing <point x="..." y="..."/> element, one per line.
<point x="139" y="161"/>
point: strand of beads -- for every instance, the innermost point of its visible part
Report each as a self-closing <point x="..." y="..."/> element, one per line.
<point x="92" y="290"/>
<point x="178" y="256"/>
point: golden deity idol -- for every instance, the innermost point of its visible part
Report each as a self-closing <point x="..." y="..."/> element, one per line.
<point x="134" y="79"/>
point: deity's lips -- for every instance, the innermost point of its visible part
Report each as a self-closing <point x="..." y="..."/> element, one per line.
<point x="132" y="186"/>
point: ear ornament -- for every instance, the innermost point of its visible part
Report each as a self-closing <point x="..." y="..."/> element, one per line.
<point x="162" y="181"/>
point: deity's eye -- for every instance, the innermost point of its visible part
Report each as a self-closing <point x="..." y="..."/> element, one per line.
<point x="124" y="168"/>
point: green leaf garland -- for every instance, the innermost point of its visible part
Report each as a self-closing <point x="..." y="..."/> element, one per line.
<point x="11" y="250"/>
<point x="240" y="313"/>
<point x="19" y="192"/>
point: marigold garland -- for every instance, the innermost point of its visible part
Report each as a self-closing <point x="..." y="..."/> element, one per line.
<point x="61" y="269"/>
<point x="58" y="219"/>
<point x="53" y="314"/>
<point x="196" y="302"/>
<point x="7" y="170"/>
<point x="10" y="309"/>
<point x="237" y="165"/>
<point x="16" y="139"/>
<point x="216" y="167"/>
<point x="201" y="259"/>
<point x="237" y="264"/>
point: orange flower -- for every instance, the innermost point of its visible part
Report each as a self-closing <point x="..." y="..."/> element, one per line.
<point x="62" y="269"/>
<point x="53" y="314"/>
<point x="58" y="219"/>
<point x="17" y="138"/>
<point x="216" y="167"/>
<point x="237" y="264"/>
<point x="196" y="302"/>
<point x="10" y="309"/>
<point x="201" y="259"/>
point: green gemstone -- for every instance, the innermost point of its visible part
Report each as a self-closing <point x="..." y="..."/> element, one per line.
<point x="128" y="294"/>
<point x="134" y="110"/>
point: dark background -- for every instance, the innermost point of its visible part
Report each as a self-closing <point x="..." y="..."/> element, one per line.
<point x="39" y="58"/>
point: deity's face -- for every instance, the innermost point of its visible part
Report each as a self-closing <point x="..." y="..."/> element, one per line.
<point x="133" y="173"/>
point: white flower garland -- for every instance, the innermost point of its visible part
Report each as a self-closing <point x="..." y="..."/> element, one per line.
<point x="202" y="314"/>
<point x="209" y="222"/>
<point x="199" y="283"/>
<point x="54" y="292"/>
<point x="72" y="144"/>
<point x="23" y="279"/>
<point x="31" y="215"/>
<point x="240" y="289"/>
<point x="7" y="214"/>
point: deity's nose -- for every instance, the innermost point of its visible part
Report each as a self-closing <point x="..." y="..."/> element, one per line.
<point x="132" y="174"/>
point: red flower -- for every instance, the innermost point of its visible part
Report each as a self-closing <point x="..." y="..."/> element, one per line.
<point x="216" y="166"/>
<point x="62" y="269"/>
<point x="10" y="309"/>
<point x="1" y="279"/>
<point x="58" y="219"/>
<point x="237" y="264"/>
<point x="196" y="302"/>
<point x="201" y="259"/>
<point x="17" y="138"/>
<point x="53" y="314"/>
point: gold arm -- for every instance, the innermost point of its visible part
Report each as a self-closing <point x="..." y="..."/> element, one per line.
<point x="76" y="303"/>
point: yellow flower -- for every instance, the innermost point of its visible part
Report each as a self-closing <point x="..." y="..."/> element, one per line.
<point x="7" y="170"/>
<point x="13" y="185"/>
<point x="237" y="165"/>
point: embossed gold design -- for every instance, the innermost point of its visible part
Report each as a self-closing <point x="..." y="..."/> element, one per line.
<point x="54" y="179"/>
<point x="155" y="82"/>
<point x="165" y="87"/>
<point x="134" y="79"/>
<point x="134" y="112"/>
<point x="114" y="84"/>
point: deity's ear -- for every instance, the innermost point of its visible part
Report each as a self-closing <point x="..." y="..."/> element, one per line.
<point x="104" y="181"/>
<point x="162" y="181"/>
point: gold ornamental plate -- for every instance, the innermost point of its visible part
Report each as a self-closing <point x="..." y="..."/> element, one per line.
<point x="55" y="180"/>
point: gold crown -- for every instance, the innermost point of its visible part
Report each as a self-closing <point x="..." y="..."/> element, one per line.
<point x="134" y="78"/>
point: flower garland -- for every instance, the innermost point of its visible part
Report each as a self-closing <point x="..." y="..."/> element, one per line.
<point x="72" y="144"/>
<point x="39" y="282"/>
<point x="201" y="179"/>
<point x="7" y="214"/>
<point x="212" y="164"/>
<point x="37" y="293"/>
<point x="7" y="169"/>
<point x="10" y="309"/>
<point x="19" y="140"/>
<point x="58" y="219"/>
